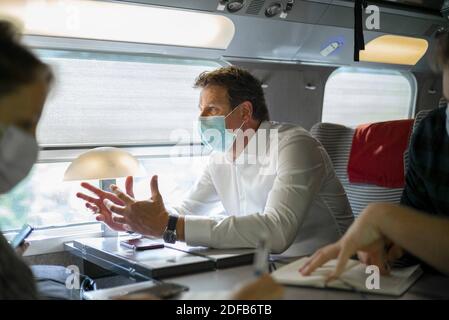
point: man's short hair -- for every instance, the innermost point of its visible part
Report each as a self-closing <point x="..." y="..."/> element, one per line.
<point x="241" y="86"/>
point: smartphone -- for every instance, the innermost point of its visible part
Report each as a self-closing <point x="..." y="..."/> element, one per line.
<point x="164" y="290"/>
<point x="21" y="236"/>
<point x="140" y="244"/>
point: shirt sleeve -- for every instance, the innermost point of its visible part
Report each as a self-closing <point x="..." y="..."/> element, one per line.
<point x="299" y="175"/>
<point x="16" y="279"/>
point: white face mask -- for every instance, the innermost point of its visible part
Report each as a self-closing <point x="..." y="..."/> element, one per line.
<point x="18" y="153"/>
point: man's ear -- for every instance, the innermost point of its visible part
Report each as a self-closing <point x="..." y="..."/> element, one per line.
<point x="247" y="110"/>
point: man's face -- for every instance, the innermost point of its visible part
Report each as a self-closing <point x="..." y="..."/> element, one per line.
<point x="214" y="101"/>
<point x="446" y="83"/>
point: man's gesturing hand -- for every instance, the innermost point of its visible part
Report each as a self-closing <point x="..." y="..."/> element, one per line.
<point x="96" y="205"/>
<point x="145" y="217"/>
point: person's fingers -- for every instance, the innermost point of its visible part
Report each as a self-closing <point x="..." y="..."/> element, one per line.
<point x="25" y="246"/>
<point x="113" y="207"/>
<point x="346" y="252"/>
<point x="129" y="186"/>
<point x="319" y="258"/>
<point x="92" y="208"/>
<point x="100" y="193"/>
<point x="363" y="257"/>
<point x="119" y="219"/>
<point x="113" y="198"/>
<point x="100" y="218"/>
<point x="394" y="253"/>
<point x="378" y="259"/>
<point x="87" y="198"/>
<point x="121" y="195"/>
<point x="154" y="188"/>
<point x="92" y="189"/>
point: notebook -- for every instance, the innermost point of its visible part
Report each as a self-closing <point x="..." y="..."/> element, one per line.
<point x="354" y="277"/>
<point x="223" y="258"/>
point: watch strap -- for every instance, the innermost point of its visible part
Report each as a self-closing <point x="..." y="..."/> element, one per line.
<point x="172" y="221"/>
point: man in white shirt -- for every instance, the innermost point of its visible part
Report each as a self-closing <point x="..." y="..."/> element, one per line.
<point x="274" y="180"/>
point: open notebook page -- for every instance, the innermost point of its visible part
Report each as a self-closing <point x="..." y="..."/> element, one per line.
<point x="354" y="277"/>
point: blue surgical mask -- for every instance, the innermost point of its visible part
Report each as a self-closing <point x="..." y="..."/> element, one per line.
<point x="213" y="132"/>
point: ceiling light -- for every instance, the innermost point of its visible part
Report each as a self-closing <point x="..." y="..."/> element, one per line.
<point x="101" y="20"/>
<point x="395" y="50"/>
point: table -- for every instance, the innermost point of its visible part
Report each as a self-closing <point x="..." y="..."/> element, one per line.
<point x="200" y="274"/>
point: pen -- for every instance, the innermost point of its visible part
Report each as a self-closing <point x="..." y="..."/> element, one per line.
<point x="261" y="257"/>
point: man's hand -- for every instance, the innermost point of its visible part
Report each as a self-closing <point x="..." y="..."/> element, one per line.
<point x="363" y="237"/>
<point x="96" y="205"/>
<point x="145" y="217"/>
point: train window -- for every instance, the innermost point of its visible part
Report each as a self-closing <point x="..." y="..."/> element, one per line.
<point x="355" y="96"/>
<point x="112" y="99"/>
<point x="132" y="101"/>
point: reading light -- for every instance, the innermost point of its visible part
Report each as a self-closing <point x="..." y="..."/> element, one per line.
<point x="273" y="9"/>
<point x="236" y="5"/>
<point x="103" y="163"/>
<point x="87" y="19"/>
<point x="395" y="50"/>
<point x="331" y="48"/>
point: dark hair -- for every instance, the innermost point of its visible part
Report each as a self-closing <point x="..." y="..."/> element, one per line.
<point x="442" y="49"/>
<point x="18" y="65"/>
<point x="241" y="86"/>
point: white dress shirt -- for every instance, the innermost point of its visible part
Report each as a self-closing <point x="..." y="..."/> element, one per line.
<point x="290" y="194"/>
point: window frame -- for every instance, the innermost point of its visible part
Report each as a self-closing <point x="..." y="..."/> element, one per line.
<point x="408" y="75"/>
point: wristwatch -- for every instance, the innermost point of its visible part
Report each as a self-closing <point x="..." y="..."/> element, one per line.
<point x="169" y="234"/>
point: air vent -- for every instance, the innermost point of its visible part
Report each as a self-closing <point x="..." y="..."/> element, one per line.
<point x="255" y="6"/>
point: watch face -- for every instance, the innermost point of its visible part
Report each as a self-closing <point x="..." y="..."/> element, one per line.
<point x="170" y="236"/>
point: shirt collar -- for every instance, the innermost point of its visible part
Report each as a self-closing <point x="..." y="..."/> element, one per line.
<point x="251" y="148"/>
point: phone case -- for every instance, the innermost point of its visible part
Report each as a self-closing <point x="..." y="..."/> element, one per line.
<point x="142" y="244"/>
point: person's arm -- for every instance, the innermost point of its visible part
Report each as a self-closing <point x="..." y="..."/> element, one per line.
<point x="300" y="172"/>
<point x="423" y="235"/>
<point x="16" y="278"/>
